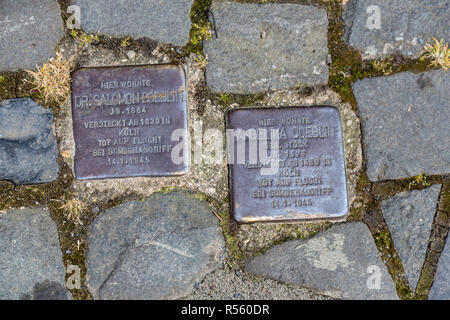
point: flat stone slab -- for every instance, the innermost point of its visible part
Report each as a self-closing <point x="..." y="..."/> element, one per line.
<point x="30" y="257"/>
<point x="223" y="284"/>
<point x="28" y="150"/>
<point x="155" y="249"/>
<point x="165" y="21"/>
<point x="341" y="262"/>
<point x="130" y="121"/>
<point x="405" y="26"/>
<point x="409" y="216"/>
<point x="30" y="31"/>
<point x="441" y="285"/>
<point x="307" y="179"/>
<point x="405" y="124"/>
<point x="262" y="47"/>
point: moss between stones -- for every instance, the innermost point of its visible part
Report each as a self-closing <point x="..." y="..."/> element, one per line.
<point x="365" y="200"/>
<point x="7" y="85"/>
<point x="386" y="189"/>
<point x="199" y="27"/>
<point x="36" y="195"/>
<point x="243" y="100"/>
<point x="390" y="257"/>
<point x="444" y="202"/>
<point x="436" y="243"/>
<point x="229" y="227"/>
<point x="63" y="5"/>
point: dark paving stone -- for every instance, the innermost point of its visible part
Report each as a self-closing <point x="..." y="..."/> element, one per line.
<point x="29" y="32"/>
<point x="155" y="249"/>
<point x="339" y="262"/>
<point x="405" y="121"/>
<point x="409" y="216"/>
<point x="165" y="21"/>
<point x="28" y="150"/>
<point x="263" y="47"/>
<point x="406" y="26"/>
<point x="30" y="257"/>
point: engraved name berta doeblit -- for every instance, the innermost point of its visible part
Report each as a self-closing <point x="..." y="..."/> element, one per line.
<point x="309" y="181"/>
<point x="129" y="121"/>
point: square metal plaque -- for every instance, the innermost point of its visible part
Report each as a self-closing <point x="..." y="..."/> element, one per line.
<point x="128" y="120"/>
<point x="308" y="181"/>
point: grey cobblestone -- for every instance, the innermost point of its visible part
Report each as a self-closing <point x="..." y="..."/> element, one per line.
<point x="263" y="47"/>
<point x="29" y="32"/>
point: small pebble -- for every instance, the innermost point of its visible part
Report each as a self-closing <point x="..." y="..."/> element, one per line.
<point x="131" y="54"/>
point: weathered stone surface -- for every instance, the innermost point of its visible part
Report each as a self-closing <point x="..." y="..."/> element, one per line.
<point x="263" y="47"/>
<point x="28" y="150"/>
<point x="409" y="216"/>
<point x="165" y="21"/>
<point x="405" y="26"/>
<point x="223" y="284"/>
<point x="29" y="32"/>
<point x="405" y="124"/>
<point x="30" y="257"/>
<point x="340" y="262"/>
<point x="441" y="285"/>
<point x="155" y="249"/>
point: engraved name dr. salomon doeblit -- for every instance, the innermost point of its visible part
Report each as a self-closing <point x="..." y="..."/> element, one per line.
<point x="130" y="121"/>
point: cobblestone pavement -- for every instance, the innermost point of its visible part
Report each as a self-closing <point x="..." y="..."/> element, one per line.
<point x="175" y="237"/>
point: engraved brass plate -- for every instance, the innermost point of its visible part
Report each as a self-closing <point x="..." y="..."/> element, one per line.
<point x="124" y="120"/>
<point x="309" y="181"/>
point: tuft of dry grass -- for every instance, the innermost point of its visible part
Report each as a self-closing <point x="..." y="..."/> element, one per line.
<point x="438" y="53"/>
<point x="382" y="66"/>
<point x="52" y="80"/>
<point x="73" y="208"/>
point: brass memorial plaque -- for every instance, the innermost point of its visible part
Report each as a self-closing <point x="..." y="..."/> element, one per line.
<point x="308" y="179"/>
<point x="130" y="121"/>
